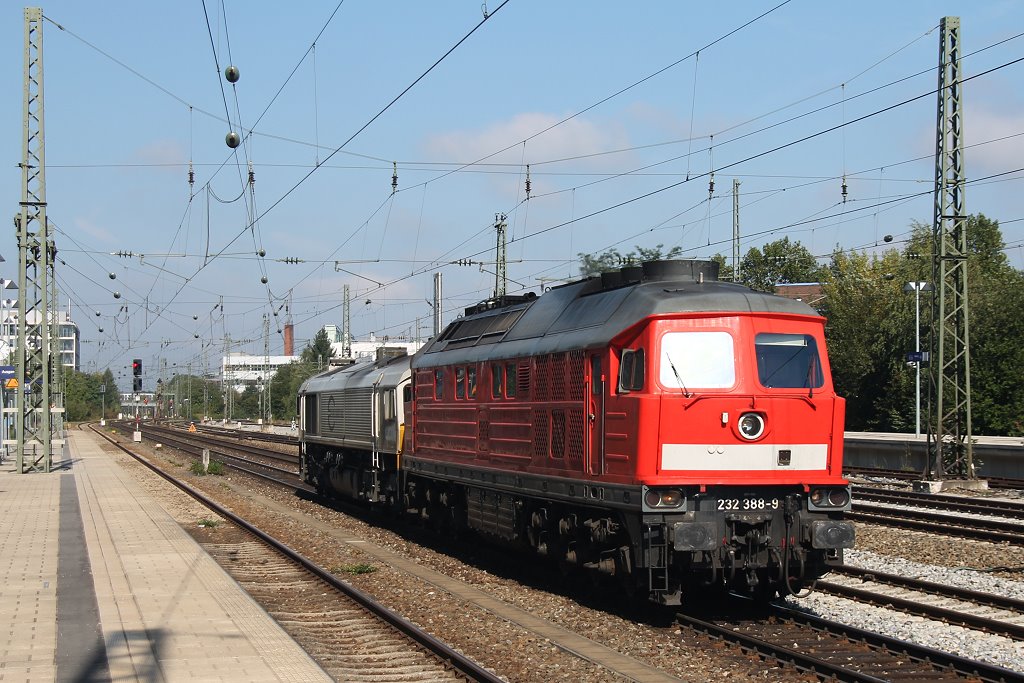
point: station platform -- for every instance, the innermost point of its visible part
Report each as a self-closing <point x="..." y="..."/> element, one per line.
<point x="99" y="583"/>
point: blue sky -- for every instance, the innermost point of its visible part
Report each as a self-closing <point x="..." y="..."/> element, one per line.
<point x="122" y="127"/>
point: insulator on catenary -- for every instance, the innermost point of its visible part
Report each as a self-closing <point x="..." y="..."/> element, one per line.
<point x="191" y="175"/>
<point x="844" y="189"/>
<point x="394" y="177"/>
<point x="252" y="175"/>
<point x="527" y="181"/>
<point x="711" y="185"/>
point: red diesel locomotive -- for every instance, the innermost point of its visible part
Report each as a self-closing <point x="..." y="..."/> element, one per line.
<point x="653" y="424"/>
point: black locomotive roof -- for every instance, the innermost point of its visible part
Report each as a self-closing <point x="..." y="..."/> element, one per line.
<point x="591" y="312"/>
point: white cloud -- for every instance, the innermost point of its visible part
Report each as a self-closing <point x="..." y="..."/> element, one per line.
<point x="92" y="230"/>
<point x="159" y="152"/>
<point x="982" y="125"/>
<point x="666" y="122"/>
<point x="573" y="138"/>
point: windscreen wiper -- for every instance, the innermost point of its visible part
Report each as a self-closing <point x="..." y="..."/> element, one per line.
<point x="682" y="385"/>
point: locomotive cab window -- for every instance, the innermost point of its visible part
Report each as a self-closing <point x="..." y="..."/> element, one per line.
<point x="697" y="360"/>
<point x="788" y="361"/>
<point x="631" y="371"/>
<point x="471" y="381"/>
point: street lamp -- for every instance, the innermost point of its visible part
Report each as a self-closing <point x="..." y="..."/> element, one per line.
<point x="917" y="288"/>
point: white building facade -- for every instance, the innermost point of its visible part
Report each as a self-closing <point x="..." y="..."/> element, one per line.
<point x="67" y="345"/>
<point x="367" y="348"/>
<point x="240" y="370"/>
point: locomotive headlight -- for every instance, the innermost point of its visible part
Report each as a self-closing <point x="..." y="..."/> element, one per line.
<point x="751" y="426"/>
<point x="832" y="498"/>
<point x="663" y="498"/>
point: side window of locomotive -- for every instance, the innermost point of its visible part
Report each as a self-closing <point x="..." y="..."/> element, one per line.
<point x="596" y="384"/>
<point x="460" y="382"/>
<point x="497" y="380"/>
<point x="503" y="380"/>
<point x="697" y="360"/>
<point x="471" y="381"/>
<point x="789" y="361"/>
<point x="311" y="422"/>
<point x="631" y="371"/>
<point x="407" y="393"/>
<point x="438" y="384"/>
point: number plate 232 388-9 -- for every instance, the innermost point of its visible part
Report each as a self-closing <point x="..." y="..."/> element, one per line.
<point x="749" y="504"/>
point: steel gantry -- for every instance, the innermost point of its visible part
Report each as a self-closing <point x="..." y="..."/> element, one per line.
<point x="500" y="256"/>
<point x="34" y="356"/>
<point x="949" y="438"/>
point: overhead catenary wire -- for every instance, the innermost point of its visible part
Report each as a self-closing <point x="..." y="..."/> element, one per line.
<point x="573" y="188"/>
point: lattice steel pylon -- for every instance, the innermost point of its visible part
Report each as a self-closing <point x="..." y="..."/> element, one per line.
<point x="346" y="324"/>
<point x="35" y="261"/>
<point x="500" y="257"/>
<point x="265" y="412"/>
<point x="735" y="230"/>
<point x="949" y="437"/>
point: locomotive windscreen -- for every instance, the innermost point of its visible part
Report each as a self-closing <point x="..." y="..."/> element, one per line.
<point x="788" y="361"/>
<point x="697" y="360"/>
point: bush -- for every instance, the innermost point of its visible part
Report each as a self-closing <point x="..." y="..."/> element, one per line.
<point x="216" y="467"/>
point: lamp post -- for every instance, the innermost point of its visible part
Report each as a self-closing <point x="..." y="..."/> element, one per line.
<point x="917" y="288"/>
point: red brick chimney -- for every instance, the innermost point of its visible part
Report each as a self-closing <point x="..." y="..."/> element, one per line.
<point x="289" y="339"/>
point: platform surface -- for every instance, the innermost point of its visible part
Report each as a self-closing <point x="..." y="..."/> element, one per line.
<point x="98" y="583"/>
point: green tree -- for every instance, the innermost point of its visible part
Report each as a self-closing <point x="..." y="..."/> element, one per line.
<point x="197" y="397"/>
<point x="613" y="260"/>
<point x="869" y="331"/>
<point x="319" y="350"/>
<point x="83" y="399"/>
<point x="778" y="261"/>
<point x="247" y="403"/>
<point x="286" y="383"/>
<point x="724" y="267"/>
<point x="871" y="327"/>
<point x="110" y="399"/>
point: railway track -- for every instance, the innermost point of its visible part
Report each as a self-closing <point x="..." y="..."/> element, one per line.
<point x="230" y="433"/>
<point x="977" y="528"/>
<point x="966" y="615"/>
<point x="903" y="475"/>
<point x="977" y="506"/>
<point x="985" y="612"/>
<point x="833" y="651"/>
<point x="613" y="664"/>
<point x="352" y="635"/>
<point x="222" y="441"/>
<point x="232" y="456"/>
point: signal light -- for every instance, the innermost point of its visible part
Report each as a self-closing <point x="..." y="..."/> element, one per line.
<point x="137" y="367"/>
<point x="136" y="384"/>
